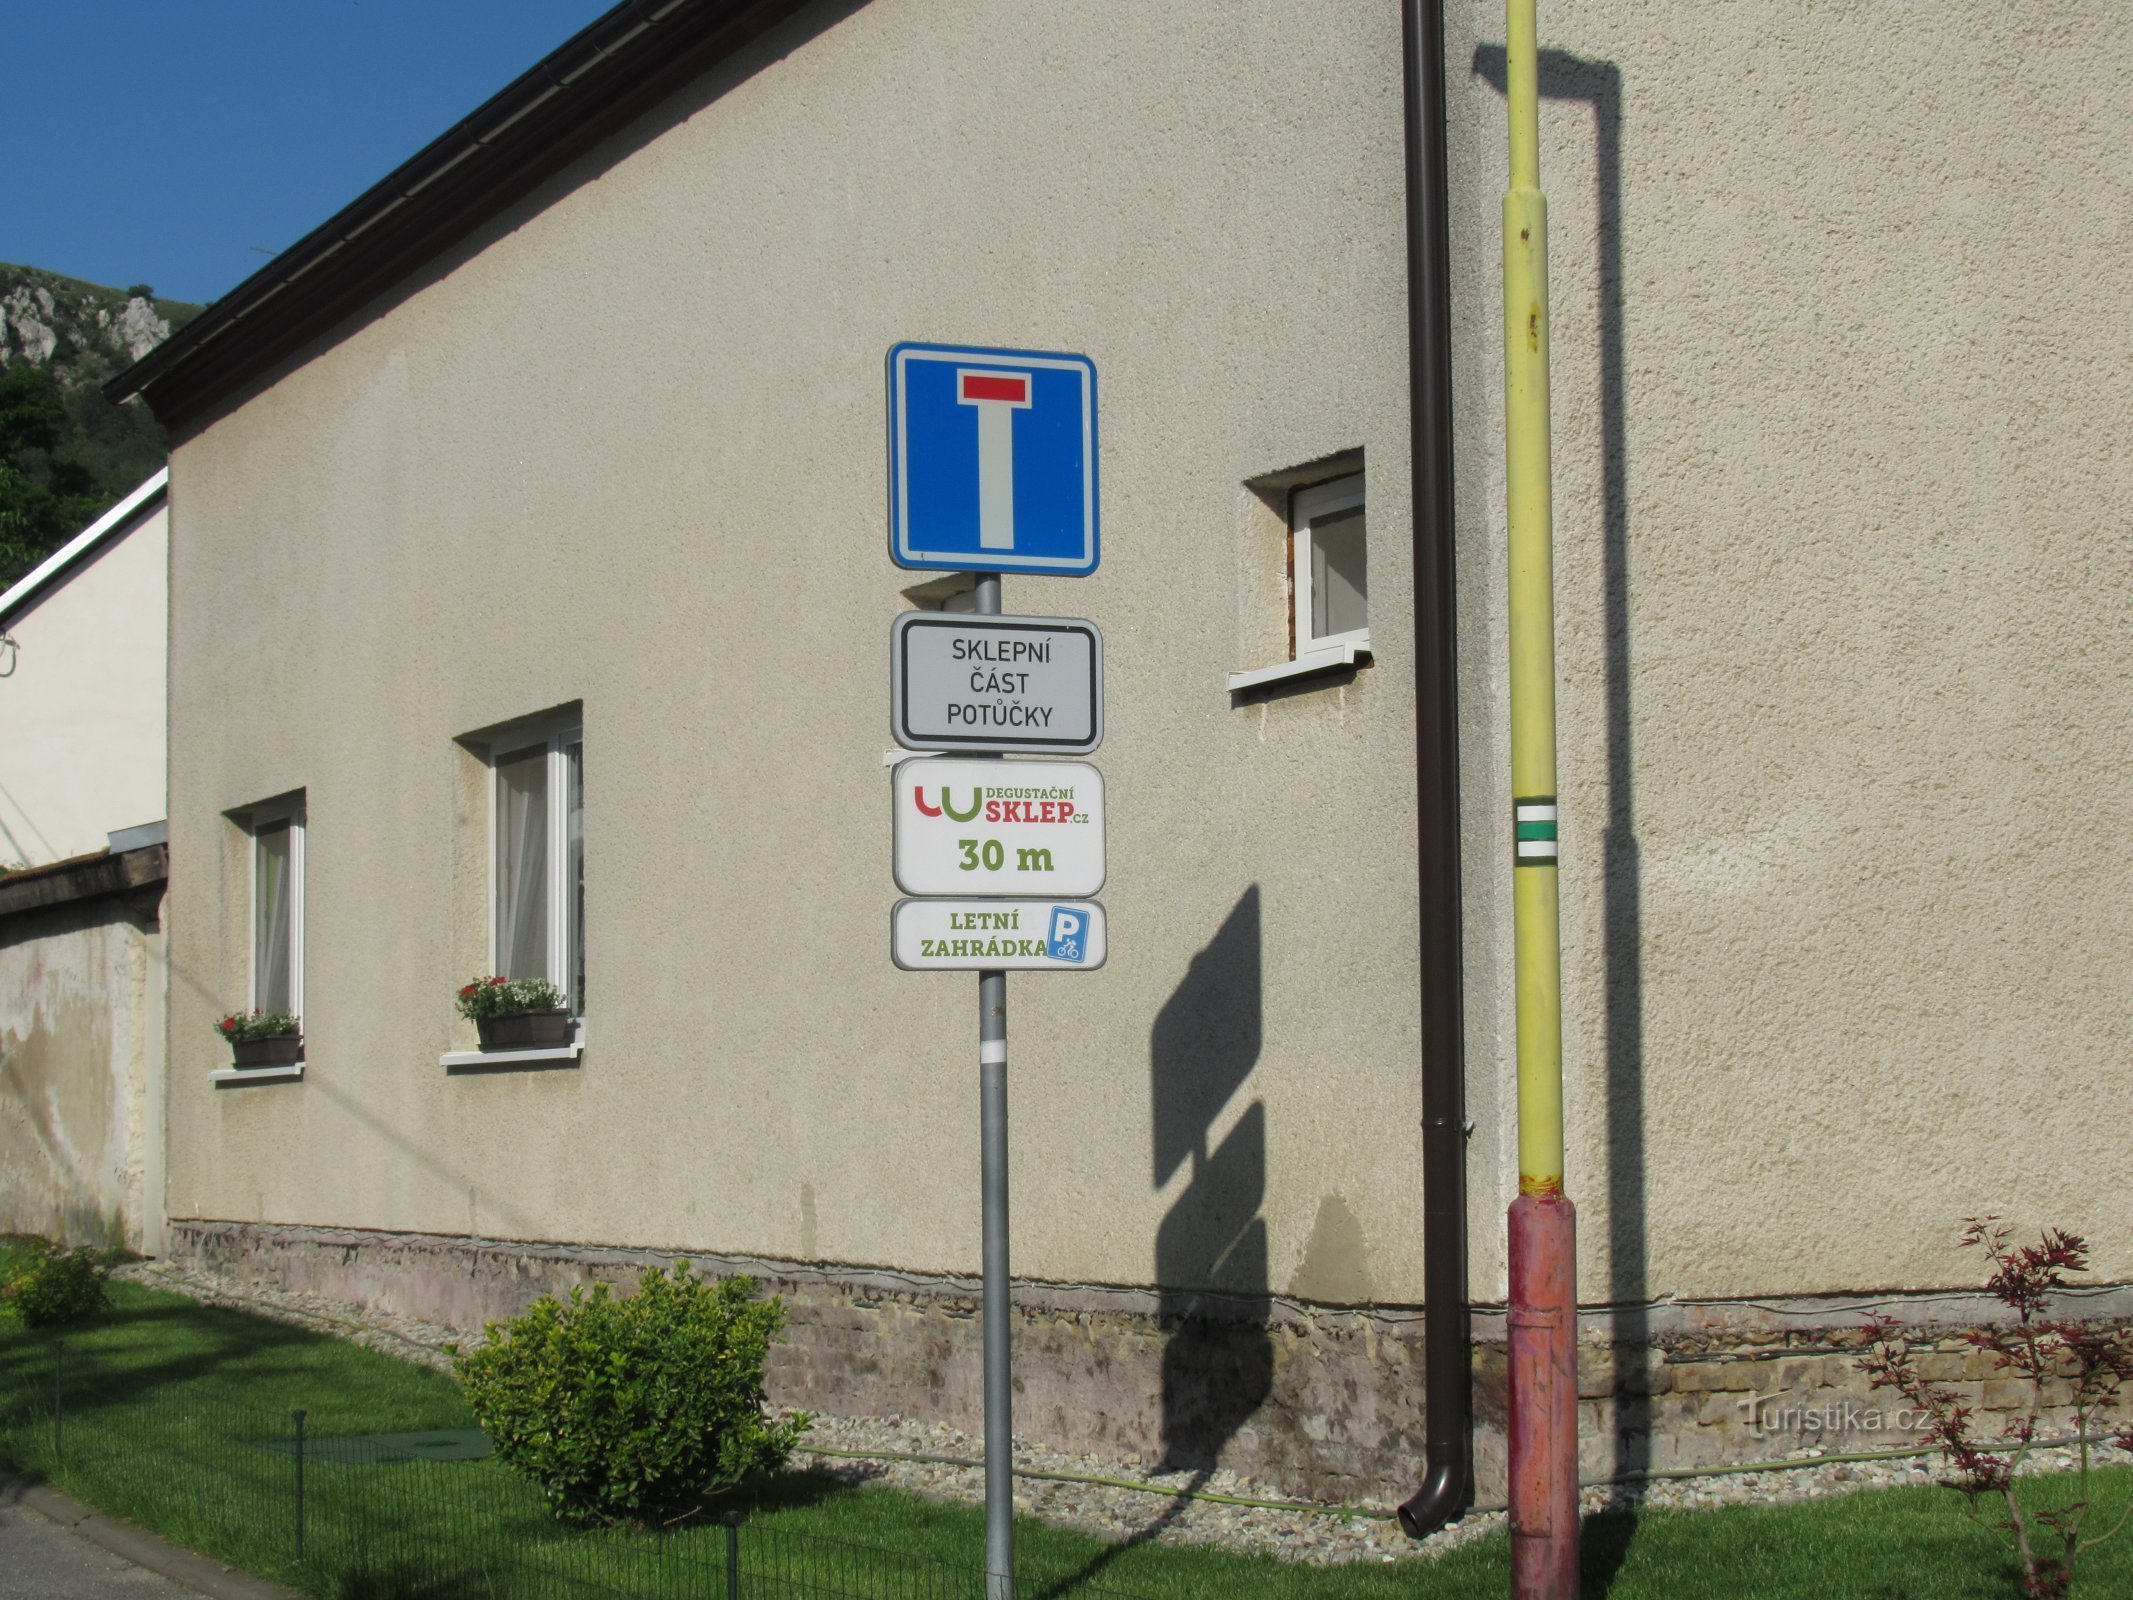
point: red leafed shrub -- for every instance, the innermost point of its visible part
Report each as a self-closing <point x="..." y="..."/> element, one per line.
<point x="2093" y="1362"/>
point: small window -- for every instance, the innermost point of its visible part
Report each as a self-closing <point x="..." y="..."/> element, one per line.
<point x="1330" y="584"/>
<point x="278" y="907"/>
<point x="537" y="811"/>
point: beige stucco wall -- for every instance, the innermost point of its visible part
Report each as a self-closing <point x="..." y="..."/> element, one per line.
<point x="82" y="1073"/>
<point x="626" y="451"/>
<point x="81" y="700"/>
<point x="1855" y="752"/>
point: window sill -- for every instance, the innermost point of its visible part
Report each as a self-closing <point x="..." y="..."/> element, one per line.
<point x="546" y="1056"/>
<point x="226" y="1075"/>
<point x="1338" y="659"/>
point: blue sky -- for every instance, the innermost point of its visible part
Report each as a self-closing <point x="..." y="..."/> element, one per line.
<point x="171" y="142"/>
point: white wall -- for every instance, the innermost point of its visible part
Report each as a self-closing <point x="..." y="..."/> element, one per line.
<point x="81" y="700"/>
<point x="81" y="1073"/>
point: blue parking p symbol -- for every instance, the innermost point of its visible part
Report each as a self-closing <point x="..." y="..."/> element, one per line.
<point x="1067" y="938"/>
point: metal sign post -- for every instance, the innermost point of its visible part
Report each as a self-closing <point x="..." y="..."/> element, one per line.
<point x="992" y="468"/>
<point x="999" y="1358"/>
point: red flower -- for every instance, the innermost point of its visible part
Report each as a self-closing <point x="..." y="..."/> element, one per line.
<point x="498" y="981"/>
<point x="469" y="989"/>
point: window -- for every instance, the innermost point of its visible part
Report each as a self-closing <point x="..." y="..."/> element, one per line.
<point x="537" y="860"/>
<point x="1306" y="579"/>
<point x="278" y="907"/>
<point x="1330" y="583"/>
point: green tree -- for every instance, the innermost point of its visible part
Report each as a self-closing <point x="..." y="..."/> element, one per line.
<point x="48" y="491"/>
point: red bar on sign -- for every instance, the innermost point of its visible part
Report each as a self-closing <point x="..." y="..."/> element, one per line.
<point x="976" y="386"/>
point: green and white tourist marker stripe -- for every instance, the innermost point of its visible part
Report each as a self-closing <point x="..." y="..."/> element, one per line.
<point x="1533" y="831"/>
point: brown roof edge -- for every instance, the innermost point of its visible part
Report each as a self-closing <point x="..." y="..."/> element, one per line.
<point x="87" y="877"/>
<point x="601" y="80"/>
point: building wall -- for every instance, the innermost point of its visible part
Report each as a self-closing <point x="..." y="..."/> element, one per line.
<point x="81" y="1072"/>
<point x="1843" y="594"/>
<point x="82" y="702"/>
<point x="1840" y="625"/>
<point x="630" y="454"/>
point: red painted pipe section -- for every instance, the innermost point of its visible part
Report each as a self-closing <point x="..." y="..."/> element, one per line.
<point x="1544" y="1398"/>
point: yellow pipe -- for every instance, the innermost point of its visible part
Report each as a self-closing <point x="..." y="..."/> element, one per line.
<point x="1542" y="1224"/>
<point x="1535" y="918"/>
<point x="1522" y="90"/>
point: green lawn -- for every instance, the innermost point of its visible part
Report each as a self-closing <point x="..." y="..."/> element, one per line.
<point x="177" y="1415"/>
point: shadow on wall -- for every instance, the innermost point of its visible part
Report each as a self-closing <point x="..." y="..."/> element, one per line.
<point x="15" y="850"/>
<point x="1599" y="84"/>
<point x="1211" y="1248"/>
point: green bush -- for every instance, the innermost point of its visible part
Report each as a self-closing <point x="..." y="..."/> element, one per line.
<point x="56" y="1287"/>
<point x="627" y="1410"/>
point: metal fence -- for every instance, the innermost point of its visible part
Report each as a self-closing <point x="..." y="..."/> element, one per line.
<point x="363" y="1517"/>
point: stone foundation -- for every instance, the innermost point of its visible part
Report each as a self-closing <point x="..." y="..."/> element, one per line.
<point x="1309" y="1400"/>
<point x="1683" y="1385"/>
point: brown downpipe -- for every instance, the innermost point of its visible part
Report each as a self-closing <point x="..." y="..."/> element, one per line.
<point x="1446" y="1485"/>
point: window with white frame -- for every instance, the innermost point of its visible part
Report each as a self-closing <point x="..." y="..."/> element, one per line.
<point x="1330" y="583"/>
<point x="277" y="831"/>
<point x="537" y="859"/>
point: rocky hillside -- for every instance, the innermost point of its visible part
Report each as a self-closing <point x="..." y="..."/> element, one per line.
<point x="81" y="332"/>
<point x="67" y="453"/>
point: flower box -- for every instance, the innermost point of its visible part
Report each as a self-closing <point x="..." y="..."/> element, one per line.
<point x="525" y="1030"/>
<point x="284" y="1051"/>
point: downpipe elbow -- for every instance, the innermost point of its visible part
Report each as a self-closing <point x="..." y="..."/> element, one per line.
<point x="1439" y="1499"/>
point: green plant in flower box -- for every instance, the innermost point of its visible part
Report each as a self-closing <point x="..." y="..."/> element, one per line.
<point x="498" y="996"/>
<point x="242" y="1027"/>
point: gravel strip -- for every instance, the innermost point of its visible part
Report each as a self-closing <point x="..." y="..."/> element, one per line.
<point x="1790" y="1485"/>
<point x="1328" y="1536"/>
<point x="1114" y="1513"/>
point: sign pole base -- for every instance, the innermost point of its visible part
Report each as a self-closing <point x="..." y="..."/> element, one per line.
<point x="999" y="1380"/>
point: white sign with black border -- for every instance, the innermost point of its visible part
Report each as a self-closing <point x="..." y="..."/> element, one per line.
<point x="990" y="683"/>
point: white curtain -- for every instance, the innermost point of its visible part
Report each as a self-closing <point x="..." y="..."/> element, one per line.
<point x="522" y="864"/>
<point x="270" y="918"/>
<point x="576" y="754"/>
<point x="1338" y="577"/>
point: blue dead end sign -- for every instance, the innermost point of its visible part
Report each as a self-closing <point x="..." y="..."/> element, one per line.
<point x="992" y="460"/>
